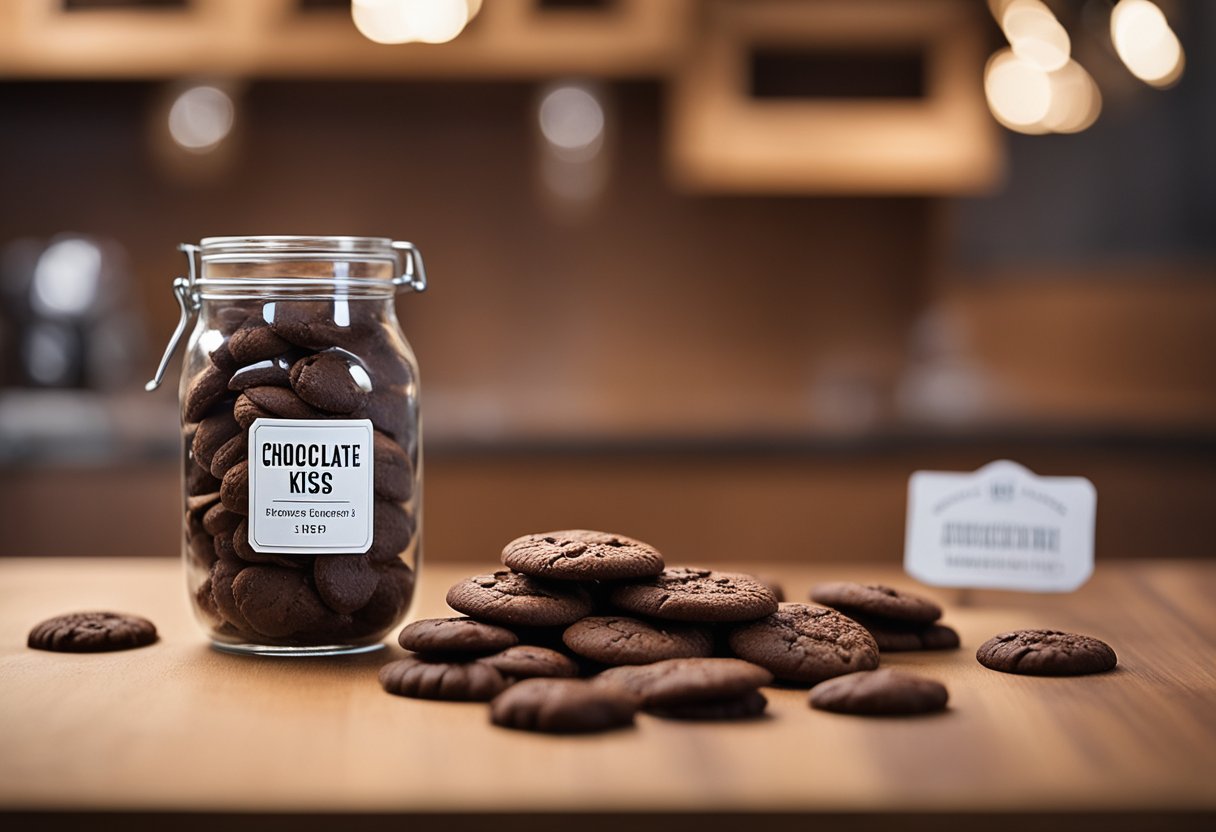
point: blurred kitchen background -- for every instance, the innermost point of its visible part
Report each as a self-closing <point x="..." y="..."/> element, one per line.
<point x="719" y="274"/>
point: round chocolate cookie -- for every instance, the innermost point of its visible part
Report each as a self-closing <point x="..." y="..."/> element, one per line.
<point x="1046" y="653"/>
<point x="700" y="595"/>
<point x="92" y="632"/>
<point x="527" y="661"/>
<point x="893" y="637"/>
<point x="234" y="488"/>
<point x="272" y="372"/>
<point x="748" y="705"/>
<point x="392" y="470"/>
<point x="281" y="402"/>
<point x="514" y="599"/>
<point x="278" y="602"/>
<point x="229" y="454"/>
<point x="212" y="434"/>
<point x="332" y="381"/>
<point x="207" y="390"/>
<point x="461" y="681"/>
<point x="617" y="640"/>
<point x="344" y="582"/>
<point x="876" y="600"/>
<point x="442" y="636"/>
<point x="255" y="341"/>
<point x="562" y="706"/>
<point x="880" y="693"/>
<point x="801" y="643"/>
<point x="680" y="681"/>
<point x="581" y="555"/>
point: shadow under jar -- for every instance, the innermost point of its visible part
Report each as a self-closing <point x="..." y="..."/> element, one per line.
<point x="301" y="442"/>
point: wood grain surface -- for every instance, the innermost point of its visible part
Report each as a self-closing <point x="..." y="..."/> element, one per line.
<point x="177" y="727"/>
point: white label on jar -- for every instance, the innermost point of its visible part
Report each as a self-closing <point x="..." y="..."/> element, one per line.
<point x="1001" y="527"/>
<point x="310" y="486"/>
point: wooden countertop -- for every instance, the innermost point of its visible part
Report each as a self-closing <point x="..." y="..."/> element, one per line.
<point x="177" y="727"/>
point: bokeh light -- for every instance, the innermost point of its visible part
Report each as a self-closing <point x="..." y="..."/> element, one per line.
<point x="1035" y="35"/>
<point x="1075" y="100"/>
<point x="1018" y="92"/>
<point x="1145" y="42"/>
<point x="200" y="118"/>
<point x="572" y="120"/>
<point x="66" y="278"/>
<point x="406" y="21"/>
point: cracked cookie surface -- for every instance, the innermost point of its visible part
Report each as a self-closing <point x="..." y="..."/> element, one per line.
<point x="682" y="681"/>
<point x="876" y="600"/>
<point x="618" y="640"/>
<point x="92" y="632"/>
<point x="1046" y="653"/>
<point x="700" y="595"/>
<point x="514" y="599"/>
<point x="455" y="635"/>
<point x="802" y="643"/>
<point x="582" y="555"/>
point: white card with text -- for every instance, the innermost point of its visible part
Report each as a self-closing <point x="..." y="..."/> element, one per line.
<point x="1001" y="527"/>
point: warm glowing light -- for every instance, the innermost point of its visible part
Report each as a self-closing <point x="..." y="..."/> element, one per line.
<point x="405" y="21"/>
<point x="1018" y="92"/>
<point x="66" y="278"/>
<point x="1075" y="100"/>
<point x="572" y="120"/>
<point x="1145" y="42"/>
<point x="1035" y="34"/>
<point x="201" y="118"/>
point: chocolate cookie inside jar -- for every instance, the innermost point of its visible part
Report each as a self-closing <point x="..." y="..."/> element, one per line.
<point x="301" y="441"/>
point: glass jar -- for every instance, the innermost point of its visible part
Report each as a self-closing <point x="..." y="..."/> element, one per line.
<point x="301" y="479"/>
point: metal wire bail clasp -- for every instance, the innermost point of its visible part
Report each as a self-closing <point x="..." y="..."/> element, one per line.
<point x="188" y="303"/>
<point x="412" y="270"/>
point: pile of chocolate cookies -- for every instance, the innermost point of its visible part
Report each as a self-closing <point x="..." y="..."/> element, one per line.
<point x="293" y="359"/>
<point x="676" y="642"/>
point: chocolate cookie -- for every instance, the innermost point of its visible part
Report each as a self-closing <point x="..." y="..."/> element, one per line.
<point x="391" y="470"/>
<point x="893" y="637"/>
<point x="801" y="643"/>
<point x="876" y="600"/>
<point x="319" y="324"/>
<point x="229" y="454"/>
<point x="255" y="341"/>
<point x="344" y="582"/>
<point x="234" y="489"/>
<point x="92" y="632"/>
<point x="223" y="572"/>
<point x="209" y="388"/>
<point x="446" y="636"/>
<point x="681" y="681"/>
<point x="514" y="599"/>
<point x="333" y="381"/>
<point x="461" y="681"/>
<point x="278" y="602"/>
<point x="391" y="411"/>
<point x="219" y="520"/>
<point x="270" y="372"/>
<point x="1046" y="653"/>
<point x="246" y="412"/>
<point x="199" y="479"/>
<point x="880" y="693"/>
<point x="211" y="435"/>
<point x="281" y="402"/>
<point x="526" y="661"/>
<point x="616" y="640"/>
<point x="581" y="555"/>
<point x="392" y="530"/>
<point x="562" y="706"/>
<point x="388" y="603"/>
<point x="701" y="595"/>
<point x="747" y="706"/>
